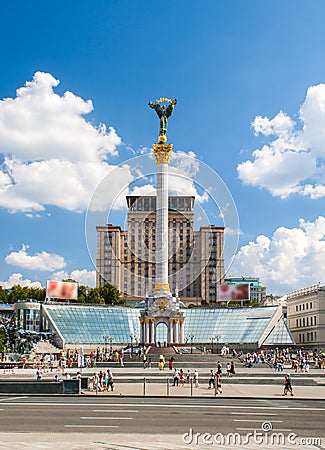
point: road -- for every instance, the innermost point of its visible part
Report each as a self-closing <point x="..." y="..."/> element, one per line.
<point x="159" y="415"/>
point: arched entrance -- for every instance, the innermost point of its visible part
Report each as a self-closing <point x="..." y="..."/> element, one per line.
<point x="161" y="334"/>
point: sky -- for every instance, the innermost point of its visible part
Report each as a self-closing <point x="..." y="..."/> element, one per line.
<point x="248" y="130"/>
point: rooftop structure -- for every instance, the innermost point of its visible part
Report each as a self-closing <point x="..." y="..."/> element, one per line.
<point x="237" y="327"/>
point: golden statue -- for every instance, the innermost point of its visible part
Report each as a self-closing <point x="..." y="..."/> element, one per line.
<point x="163" y="113"/>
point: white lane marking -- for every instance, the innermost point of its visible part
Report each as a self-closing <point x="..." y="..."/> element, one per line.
<point x="91" y="426"/>
<point x="106" y="418"/>
<point x="13" y="398"/>
<point x="157" y="405"/>
<point x="254" y="414"/>
<point x="116" y="410"/>
<point x="254" y="429"/>
<point x="250" y="420"/>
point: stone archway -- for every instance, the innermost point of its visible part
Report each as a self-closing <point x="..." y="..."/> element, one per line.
<point x="161" y="334"/>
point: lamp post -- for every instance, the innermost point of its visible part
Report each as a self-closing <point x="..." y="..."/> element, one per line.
<point x="191" y="337"/>
<point x="105" y="337"/>
<point x="217" y="336"/>
<point x="131" y="344"/>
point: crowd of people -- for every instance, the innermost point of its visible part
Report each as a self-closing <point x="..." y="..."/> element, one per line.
<point x="279" y="359"/>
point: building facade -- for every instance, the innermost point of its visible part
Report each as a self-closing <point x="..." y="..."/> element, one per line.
<point x="127" y="258"/>
<point x="306" y="316"/>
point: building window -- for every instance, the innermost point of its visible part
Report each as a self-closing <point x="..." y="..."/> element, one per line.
<point x="311" y="305"/>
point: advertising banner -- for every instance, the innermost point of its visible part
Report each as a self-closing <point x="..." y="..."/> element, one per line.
<point x="62" y="290"/>
<point x="233" y="292"/>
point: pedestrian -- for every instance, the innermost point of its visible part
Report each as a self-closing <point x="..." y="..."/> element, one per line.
<point x="170" y="363"/>
<point x="218" y="389"/>
<point x="95" y="382"/>
<point x="211" y="379"/>
<point x="232" y="369"/>
<point x="219" y="368"/>
<point x="175" y="377"/>
<point x="196" y="378"/>
<point x="110" y="383"/>
<point x="188" y="376"/>
<point x="181" y="377"/>
<point x="228" y="369"/>
<point x="287" y="385"/>
<point x="39" y="375"/>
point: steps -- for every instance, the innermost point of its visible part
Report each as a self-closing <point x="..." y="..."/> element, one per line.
<point x="45" y="347"/>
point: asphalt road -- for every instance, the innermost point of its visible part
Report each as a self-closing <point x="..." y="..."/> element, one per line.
<point x="152" y="416"/>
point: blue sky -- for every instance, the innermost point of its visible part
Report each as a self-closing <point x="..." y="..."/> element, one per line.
<point x="248" y="77"/>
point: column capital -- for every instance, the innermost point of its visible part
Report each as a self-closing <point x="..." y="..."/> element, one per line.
<point x="162" y="153"/>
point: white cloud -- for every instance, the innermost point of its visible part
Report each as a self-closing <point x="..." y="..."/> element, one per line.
<point x="17" y="278"/>
<point x="50" y="148"/>
<point x="40" y="261"/>
<point x="293" y="159"/>
<point x="83" y="277"/>
<point x="291" y="259"/>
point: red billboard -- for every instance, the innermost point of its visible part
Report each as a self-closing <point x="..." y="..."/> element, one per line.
<point x="233" y="292"/>
<point x="62" y="289"/>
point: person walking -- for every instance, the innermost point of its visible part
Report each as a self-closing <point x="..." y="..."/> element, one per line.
<point x="232" y="369"/>
<point x="188" y="376"/>
<point x="110" y="384"/>
<point x="211" y="379"/>
<point x="218" y="388"/>
<point x="196" y="378"/>
<point x="176" y="377"/>
<point x="287" y="385"/>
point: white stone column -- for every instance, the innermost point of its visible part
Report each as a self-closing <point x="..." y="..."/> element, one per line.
<point x="171" y="334"/>
<point x="176" y="340"/>
<point x="152" y="332"/>
<point x="162" y="225"/>
<point x="147" y="332"/>
<point x="181" y="331"/>
<point x="141" y="332"/>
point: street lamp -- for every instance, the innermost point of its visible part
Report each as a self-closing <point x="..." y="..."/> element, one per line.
<point x="191" y="336"/>
<point x="217" y="336"/>
<point x="106" y="337"/>
<point x="131" y="342"/>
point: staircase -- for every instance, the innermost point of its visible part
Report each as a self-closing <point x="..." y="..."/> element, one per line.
<point x="45" y="347"/>
<point x="154" y="350"/>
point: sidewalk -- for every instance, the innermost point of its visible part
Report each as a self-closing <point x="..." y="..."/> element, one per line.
<point x="228" y="390"/>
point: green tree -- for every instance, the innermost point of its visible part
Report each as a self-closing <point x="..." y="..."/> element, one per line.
<point x="95" y="297"/>
<point x="18" y="293"/>
<point x="110" y="294"/>
<point x="3" y="338"/>
<point x="38" y="294"/>
<point x="3" y="295"/>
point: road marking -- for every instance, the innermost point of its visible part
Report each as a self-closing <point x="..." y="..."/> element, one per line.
<point x="116" y="410"/>
<point x="106" y="418"/>
<point x="13" y="398"/>
<point x="249" y="420"/>
<point x="254" y="414"/>
<point x="91" y="426"/>
<point x="254" y="429"/>
<point x="162" y="405"/>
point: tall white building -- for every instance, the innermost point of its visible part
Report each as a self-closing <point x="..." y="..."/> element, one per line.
<point x="126" y="258"/>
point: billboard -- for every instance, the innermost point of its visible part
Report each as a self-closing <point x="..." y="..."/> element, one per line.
<point x="62" y="289"/>
<point x="233" y="292"/>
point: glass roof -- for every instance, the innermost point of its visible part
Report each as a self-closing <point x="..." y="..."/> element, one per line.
<point x="89" y="324"/>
